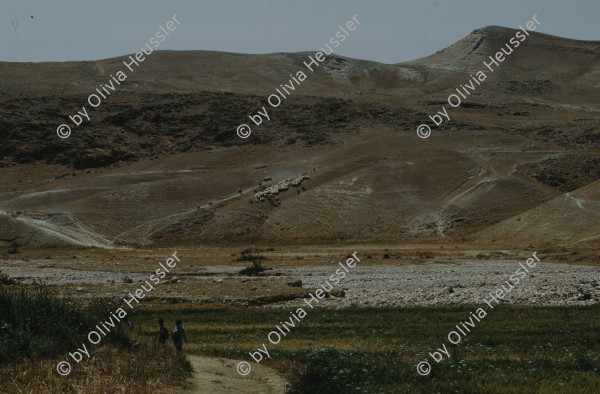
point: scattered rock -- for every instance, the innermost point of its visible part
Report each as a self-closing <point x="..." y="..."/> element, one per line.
<point x="127" y="279"/>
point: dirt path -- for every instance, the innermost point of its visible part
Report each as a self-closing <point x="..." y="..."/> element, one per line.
<point x="219" y="375"/>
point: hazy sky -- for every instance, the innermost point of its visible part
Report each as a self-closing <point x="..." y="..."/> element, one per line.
<point x="391" y="31"/>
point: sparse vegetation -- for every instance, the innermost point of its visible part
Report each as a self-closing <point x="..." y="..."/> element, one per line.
<point x="251" y="254"/>
<point x="255" y="269"/>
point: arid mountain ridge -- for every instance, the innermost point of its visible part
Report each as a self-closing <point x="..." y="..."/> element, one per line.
<point x="160" y="162"/>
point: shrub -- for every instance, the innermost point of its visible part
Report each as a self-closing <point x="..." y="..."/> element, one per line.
<point x="256" y="269"/>
<point x="14" y="248"/>
<point x="250" y="254"/>
<point x="5" y="279"/>
<point x="36" y="322"/>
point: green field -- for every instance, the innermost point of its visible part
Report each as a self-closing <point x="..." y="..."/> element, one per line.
<point x="514" y="349"/>
<point x="375" y="350"/>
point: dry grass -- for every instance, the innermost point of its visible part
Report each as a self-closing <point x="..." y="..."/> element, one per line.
<point x="108" y="371"/>
<point x="39" y="329"/>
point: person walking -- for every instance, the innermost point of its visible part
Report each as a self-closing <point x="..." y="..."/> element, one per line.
<point x="163" y="333"/>
<point x="178" y="336"/>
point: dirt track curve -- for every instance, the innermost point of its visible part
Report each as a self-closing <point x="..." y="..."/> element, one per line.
<point x="219" y="375"/>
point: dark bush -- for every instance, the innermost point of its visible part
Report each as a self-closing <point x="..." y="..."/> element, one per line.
<point x="256" y="269"/>
<point x="14" y="248"/>
<point x="5" y="279"/>
<point x="36" y="322"/>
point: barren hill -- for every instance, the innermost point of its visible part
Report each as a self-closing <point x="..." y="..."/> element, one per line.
<point x="160" y="162"/>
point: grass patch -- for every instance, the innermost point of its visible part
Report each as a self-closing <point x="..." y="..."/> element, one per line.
<point x="376" y="350"/>
<point x="356" y="350"/>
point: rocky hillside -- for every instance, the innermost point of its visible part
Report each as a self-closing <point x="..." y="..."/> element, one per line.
<point x="160" y="162"/>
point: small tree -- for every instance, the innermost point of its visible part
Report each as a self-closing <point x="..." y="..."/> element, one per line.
<point x="256" y="269"/>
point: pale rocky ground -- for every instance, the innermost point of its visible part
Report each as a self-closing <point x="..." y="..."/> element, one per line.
<point x="461" y="281"/>
<point x="467" y="282"/>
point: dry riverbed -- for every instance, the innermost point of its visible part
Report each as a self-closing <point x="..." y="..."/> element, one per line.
<point x="373" y="282"/>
